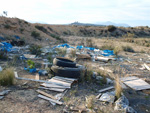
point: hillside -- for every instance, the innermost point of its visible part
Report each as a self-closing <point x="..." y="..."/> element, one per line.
<point x="45" y="33"/>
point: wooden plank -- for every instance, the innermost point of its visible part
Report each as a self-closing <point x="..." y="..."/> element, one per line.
<point x="49" y="82"/>
<point x="138" y="84"/>
<point x="105" y="89"/>
<point x="61" y="83"/>
<point x="54" y="86"/>
<point x="53" y="89"/>
<point x="49" y="99"/>
<point x="124" y="79"/>
<point x="65" y="78"/>
<point x="62" y="80"/>
<point x="46" y="94"/>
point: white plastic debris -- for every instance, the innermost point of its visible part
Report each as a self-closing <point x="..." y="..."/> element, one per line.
<point x="1" y="69"/>
<point x="107" y="97"/>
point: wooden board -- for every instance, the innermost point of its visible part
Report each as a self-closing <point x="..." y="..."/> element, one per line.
<point x="65" y="78"/>
<point x="138" y="84"/>
<point x="46" y="94"/>
<point x="124" y="79"/>
<point x="53" y="89"/>
<point x="105" y="89"/>
<point x="61" y="83"/>
<point x="49" y="99"/>
<point x="53" y="86"/>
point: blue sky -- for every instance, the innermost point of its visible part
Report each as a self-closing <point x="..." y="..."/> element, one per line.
<point x="131" y="12"/>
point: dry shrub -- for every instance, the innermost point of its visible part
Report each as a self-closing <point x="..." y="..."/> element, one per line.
<point x="73" y="52"/>
<point x="128" y="48"/>
<point x="118" y="88"/>
<point x="117" y="49"/>
<point x="90" y="102"/>
<point x="61" y="51"/>
<point x="107" y="47"/>
<point x="103" y="74"/>
<point x="7" y="77"/>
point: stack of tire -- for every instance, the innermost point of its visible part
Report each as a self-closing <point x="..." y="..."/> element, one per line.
<point x="66" y="68"/>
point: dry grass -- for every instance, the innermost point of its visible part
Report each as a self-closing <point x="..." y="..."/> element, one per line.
<point x="118" y="88"/>
<point x="61" y="51"/>
<point x="90" y="102"/>
<point x="7" y="77"/>
<point x="73" y="53"/>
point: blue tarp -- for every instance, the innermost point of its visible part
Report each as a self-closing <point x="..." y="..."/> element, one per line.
<point x="90" y="48"/>
<point x="79" y="47"/>
<point x="17" y="37"/>
<point x="107" y="52"/>
<point x="6" y="46"/>
<point x="63" y="45"/>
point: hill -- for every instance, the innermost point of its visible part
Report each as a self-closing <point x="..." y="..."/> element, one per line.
<point x="49" y="34"/>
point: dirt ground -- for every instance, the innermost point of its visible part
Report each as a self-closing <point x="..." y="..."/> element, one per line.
<point x="23" y="96"/>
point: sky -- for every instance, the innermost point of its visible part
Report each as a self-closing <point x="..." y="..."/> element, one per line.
<point x="131" y="12"/>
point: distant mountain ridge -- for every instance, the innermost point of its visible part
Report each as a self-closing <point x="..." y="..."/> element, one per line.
<point x="101" y="24"/>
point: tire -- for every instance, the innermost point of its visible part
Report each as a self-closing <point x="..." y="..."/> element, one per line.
<point x="67" y="71"/>
<point x="63" y="62"/>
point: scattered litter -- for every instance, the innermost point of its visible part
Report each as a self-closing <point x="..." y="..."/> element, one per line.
<point x="1" y="68"/>
<point x="122" y="104"/>
<point x="147" y="67"/>
<point x="107" y="97"/>
<point x="1" y="97"/>
<point x="5" y="92"/>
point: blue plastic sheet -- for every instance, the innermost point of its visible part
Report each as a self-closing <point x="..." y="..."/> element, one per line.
<point x="108" y="52"/>
<point x="90" y="48"/>
<point x="17" y="37"/>
<point x="79" y="47"/>
<point x="6" y="46"/>
<point x="63" y="45"/>
<point x="30" y="70"/>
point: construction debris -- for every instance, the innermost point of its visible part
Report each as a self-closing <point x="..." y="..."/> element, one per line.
<point x="135" y="83"/>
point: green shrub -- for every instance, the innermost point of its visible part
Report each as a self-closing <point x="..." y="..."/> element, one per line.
<point x="35" y="49"/>
<point x="128" y="49"/>
<point x="35" y="34"/>
<point x="7" y="77"/>
<point x="31" y="64"/>
<point x="7" y="26"/>
<point x="111" y="28"/>
<point x="3" y="55"/>
<point x="41" y="28"/>
<point x="55" y="36"/>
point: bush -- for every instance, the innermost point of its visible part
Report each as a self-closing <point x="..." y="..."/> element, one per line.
<point x="41" y="28"/>
<point x="111" y="28"/>
<point x="31" y="64"/>
<point x="35" y="49"/>
<point x="107" y="47"/>
<point x="55" y="36"/>
<point x="35" y="34"/>
<point x="128" y="48"/>
<point x="7" y="77"/>
<point x="3" y="55"/>
<point x="7" y="26"/>
<point x="117" y="50"/>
